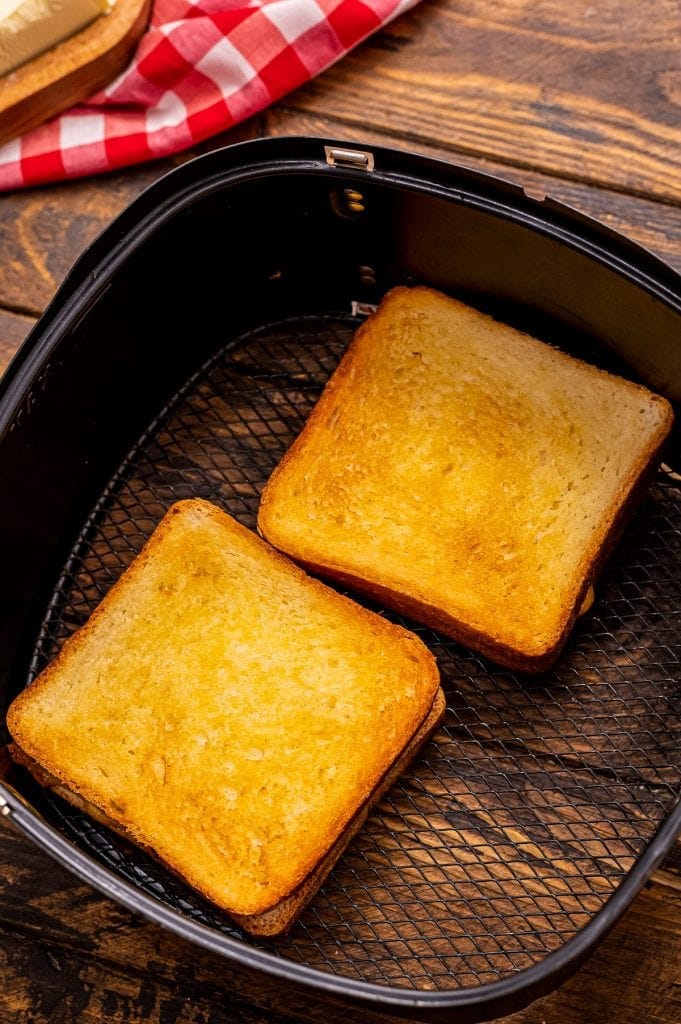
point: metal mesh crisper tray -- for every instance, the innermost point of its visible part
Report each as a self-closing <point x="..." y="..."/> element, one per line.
<point x="533" y="802"/>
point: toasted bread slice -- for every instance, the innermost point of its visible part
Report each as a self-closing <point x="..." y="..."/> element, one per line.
<point x="231" y="714"/>
<point x="465" y="474"/>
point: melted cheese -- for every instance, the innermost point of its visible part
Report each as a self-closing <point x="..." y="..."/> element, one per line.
<point x="588" y="601"/>
<point x="29" y="27"/>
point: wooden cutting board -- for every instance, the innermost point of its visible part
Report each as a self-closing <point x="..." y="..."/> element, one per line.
<point x="72" y="70"/>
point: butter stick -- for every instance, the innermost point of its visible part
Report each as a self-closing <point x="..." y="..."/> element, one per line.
<point x="29" y="27"/>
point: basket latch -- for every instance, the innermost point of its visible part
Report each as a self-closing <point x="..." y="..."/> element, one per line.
<point x="357" y="159"/>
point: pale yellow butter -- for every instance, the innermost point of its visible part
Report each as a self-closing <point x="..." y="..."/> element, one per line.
<point x="29" y="27"/>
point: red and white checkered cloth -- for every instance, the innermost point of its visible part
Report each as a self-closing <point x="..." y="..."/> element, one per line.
<point x="201" y="67"/>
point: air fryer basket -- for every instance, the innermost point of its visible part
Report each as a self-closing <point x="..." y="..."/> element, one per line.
<point x="181" y="358"/>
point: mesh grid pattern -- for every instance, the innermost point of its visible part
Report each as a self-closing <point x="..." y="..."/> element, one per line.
<point x="533" y="802"/>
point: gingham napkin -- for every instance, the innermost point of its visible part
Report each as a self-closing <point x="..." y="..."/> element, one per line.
<point x="200" y="68"/>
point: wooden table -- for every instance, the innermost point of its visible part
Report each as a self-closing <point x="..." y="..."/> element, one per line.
<point x="581" y="100"/>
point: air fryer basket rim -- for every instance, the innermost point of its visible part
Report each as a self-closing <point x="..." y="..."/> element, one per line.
<point x="285" y="155"/>
<point x="486" y="1002"/>
<point x="89" y="276"/>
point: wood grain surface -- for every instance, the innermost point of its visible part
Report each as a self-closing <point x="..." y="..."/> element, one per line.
<point x="70" y="956"/>
<point x="581" y="101"/>
<point x="13" y="330"/>
<point x="581" y="90"/>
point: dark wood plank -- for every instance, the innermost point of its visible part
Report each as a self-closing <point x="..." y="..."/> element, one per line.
<point x="48" y="918"/>
<point x="13" y="330"/>
<point x="48" y="983"/>
<point x="66" y="950"/>
<point x="581" y="90"/>
<point x="633" y="977"/>
<point x="654" y="225"/>
<point x="44" y="230"/>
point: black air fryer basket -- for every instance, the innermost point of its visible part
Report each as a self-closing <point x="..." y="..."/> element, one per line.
<point x="181" y="358"/>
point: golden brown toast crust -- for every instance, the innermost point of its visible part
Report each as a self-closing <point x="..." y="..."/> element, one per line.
<point x="280" y="918"/>
<point x="446" y="470"/>
<point x="277" y="919"/>
<point x="228" y="712"/>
